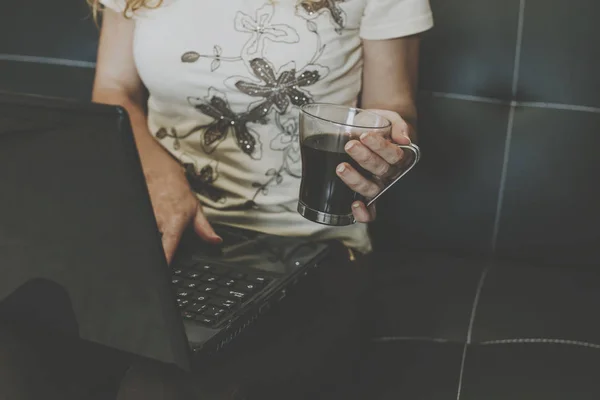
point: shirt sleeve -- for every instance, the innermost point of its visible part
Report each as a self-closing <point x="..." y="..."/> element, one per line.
<point x="390" y="19"/>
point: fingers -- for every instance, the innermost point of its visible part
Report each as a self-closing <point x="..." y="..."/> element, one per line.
<point x="173" y="229"/>
<point x="203" y="228"/>
<point x="356" y="181"/>
<point x="388" y="151"/>
<point x="362" y="213"/>
<point x="367" y="158"/>
<point x="401" y="130"/>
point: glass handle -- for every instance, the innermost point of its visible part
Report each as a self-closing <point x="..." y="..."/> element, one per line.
<point x="417" y="155"/>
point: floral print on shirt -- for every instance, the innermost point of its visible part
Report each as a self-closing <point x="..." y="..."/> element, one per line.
<point x="280" y="92"/>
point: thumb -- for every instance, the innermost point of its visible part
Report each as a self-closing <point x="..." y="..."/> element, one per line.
<point x="203" y="228"/>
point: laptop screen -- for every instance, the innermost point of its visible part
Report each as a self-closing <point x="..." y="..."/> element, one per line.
<point x="75" y="214"/>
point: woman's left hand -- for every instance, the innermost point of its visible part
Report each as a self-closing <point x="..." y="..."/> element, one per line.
<point x="377" y="155"/>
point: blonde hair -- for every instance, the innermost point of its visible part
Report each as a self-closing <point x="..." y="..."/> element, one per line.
<point x="130" y="6"/>
<point x="134" y="5"/>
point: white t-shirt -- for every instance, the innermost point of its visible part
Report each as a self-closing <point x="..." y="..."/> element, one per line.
<point x="226" y="78"/>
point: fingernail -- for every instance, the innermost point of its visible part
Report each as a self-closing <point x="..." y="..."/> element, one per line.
<point x="364" y="136"/>
<point x="356" y="205"/>
<point x="349" y="146"/>
<point x="341" y="168"/>
<point x="216" y="238"/>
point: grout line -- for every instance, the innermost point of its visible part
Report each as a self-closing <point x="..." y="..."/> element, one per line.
<point x="542" y="341"/>
<point x="385" y="339"/>
<point x="462" y="371"/>
<point x="557" y="106"/>
<point x="484" y="274"/>
<point x="503" y="173"/>
<point x="47" y="60"/>
<point x="466" y="97"/>
<point x="517" y="66"/>
<point x="525" y="104"/>
<point x="501" y="190"/>
<point x="478" y="291"/>
<point x="510" y="126"/>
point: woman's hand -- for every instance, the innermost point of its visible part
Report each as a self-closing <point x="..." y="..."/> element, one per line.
<point x="117" y="82"/>
<point x="175" y="206"/>
<point x="379" y="156"/>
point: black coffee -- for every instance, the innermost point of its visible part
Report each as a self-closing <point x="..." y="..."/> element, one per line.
<point x="321" y="189"/>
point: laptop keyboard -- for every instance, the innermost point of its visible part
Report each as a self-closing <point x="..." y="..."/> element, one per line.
<point x="209" y="294"/>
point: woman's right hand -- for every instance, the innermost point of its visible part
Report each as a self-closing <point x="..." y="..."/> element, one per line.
<point x="117" y="82"/>
<point x="175" y="206"/>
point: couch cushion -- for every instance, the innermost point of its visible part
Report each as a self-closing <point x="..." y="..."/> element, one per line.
<point x="424" y="295"/>
<point x="453" y="328"/>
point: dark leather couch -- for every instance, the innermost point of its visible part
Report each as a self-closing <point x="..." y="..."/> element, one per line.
<point x="487" y="271"/>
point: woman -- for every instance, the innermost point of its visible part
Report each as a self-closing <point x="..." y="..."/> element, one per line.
<point x="218" y="141"/>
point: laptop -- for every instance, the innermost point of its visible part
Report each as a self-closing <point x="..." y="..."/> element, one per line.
<point x="80" y="252"/>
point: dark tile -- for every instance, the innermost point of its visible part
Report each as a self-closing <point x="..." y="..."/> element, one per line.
<point x="449" y="201"/>
<point x="524" y="301"/>
<point x="62" y="29"/>
<point x="46" y="80"/>
<point x="424" y="295"/>
<point x="550" y="210"/>
<point x="411" y="370"/>
<point x="471" y="49"/>
<point x="531" y="372"/>
<point x="560" y="57"/>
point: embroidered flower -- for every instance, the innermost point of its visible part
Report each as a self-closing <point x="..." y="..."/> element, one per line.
<point x="315" y="7"/>
<point x="282" y="88"/>
<point x="261" y="29"/>
<point x="217" y="57"/>
<point x="288" y="141"/>
<point x="202" y="182"/>
<point x="216" y="106"/>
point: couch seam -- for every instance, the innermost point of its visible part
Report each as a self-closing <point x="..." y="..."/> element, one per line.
<point x="567" y="342"/>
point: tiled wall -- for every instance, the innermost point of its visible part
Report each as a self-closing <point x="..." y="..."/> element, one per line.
<point x="510" y="130"/>
<point x="510" y="121"/>
<point x="47" y="47"/>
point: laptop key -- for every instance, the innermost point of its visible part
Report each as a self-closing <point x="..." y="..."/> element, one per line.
<point x="182" y="303"/>
<point x="190" y="284"/>
<point x="197" y="308"/>
<point x="187" y="315"/>
<point x="226" y="282"/>
<point x="207" y="288"/>
<point x="193" y="275"/>
<point x="259" y="279"/>
<point x="200" y="298"/>
<point x="231" y="293"/>
<point x="245" y="287"/>
<point x="183" y="293"/>
<point x="209" y="278"/>
<point x="237" y="275"/>
<point x="213" y="269"/>
<point x="220" y="302"/>
<point x="213" y="312"/>
<point x="177" y="272"/>
<point x="176" y="281"/>
<point x="228" y="306"/>
<point x="205" y="320"/>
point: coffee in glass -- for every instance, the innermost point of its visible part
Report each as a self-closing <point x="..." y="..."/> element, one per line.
<point x="324" y="131"/>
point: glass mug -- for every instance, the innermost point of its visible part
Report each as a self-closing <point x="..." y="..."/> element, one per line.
<point x="324" y="131"/>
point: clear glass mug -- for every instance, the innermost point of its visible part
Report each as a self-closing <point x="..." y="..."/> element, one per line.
<point x="324" y="131"/>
